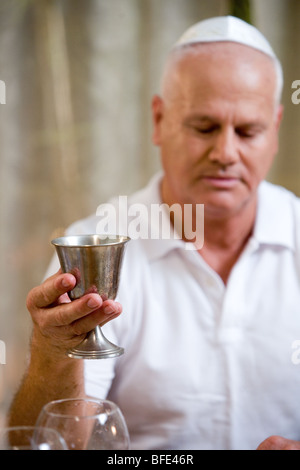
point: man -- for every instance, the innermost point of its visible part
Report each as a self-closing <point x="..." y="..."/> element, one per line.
<point x="208" y="332"/>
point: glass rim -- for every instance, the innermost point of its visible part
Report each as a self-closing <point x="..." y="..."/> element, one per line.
<point x="25" y="427"/>
<point x="31" y="432"/>
<point x="112" y="405"/>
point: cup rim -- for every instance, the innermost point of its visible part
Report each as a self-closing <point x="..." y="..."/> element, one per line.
<point x="115" y="239"/>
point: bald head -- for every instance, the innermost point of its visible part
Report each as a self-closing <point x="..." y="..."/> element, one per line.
<point x="229" y="30"/>
<point x="244" y="64"/>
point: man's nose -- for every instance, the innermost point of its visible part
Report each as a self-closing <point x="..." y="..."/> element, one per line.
<point x="225" y="148"/>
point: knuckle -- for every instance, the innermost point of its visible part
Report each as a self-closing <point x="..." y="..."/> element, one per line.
<point x="39" y="320"/>
<point x="76" y="329"/>
<point x="42" y="322"/>
<point x="29" y="302"/>
<point x="31" y="297"/>
<point x="275" y="441"/>
<point x="45" y="294"/>
<point x="61" y="315"/>
<point x="280" y="443"/>
<point x="65" y="313"/>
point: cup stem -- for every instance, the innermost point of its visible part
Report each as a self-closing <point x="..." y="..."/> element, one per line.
<point x="95" y="346"/>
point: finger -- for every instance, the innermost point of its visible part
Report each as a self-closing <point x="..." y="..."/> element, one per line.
<point x="50" y="290"/>
<point x="111" y="307"/>
<point x="63" y="299"/>
<point x="279" y="443"/>
<point x="67" y="313"/>
<point x="111" y="310"/>
<point x="97" y="317"/>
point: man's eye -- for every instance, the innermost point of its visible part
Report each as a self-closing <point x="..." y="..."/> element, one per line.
<point x="205" y="130"/>
<point x="247" y="133"/>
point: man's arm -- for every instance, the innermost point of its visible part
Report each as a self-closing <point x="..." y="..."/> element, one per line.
<point x="58" y="325"/>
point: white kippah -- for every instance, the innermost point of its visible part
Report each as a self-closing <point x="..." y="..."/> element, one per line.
<point x="226" y="28"/>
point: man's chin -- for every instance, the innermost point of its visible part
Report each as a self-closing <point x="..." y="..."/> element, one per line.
<point x="223" y="204"/>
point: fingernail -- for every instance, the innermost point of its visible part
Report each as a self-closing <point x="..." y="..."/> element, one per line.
<point x="92" y="303"/>
<point x="109" y="309"/>
<point x="65" y="282"/>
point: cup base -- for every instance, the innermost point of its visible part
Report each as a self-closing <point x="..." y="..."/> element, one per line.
<point x="95" y="346"/>
<point x="110" y="353"/>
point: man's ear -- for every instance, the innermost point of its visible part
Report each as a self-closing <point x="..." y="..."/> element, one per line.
<point x="278" y="119"/>
<point x="157" y="115"/>
<point x="279" y="116"/>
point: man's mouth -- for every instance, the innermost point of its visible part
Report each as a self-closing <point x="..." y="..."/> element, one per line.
<point x="220" y="181"/>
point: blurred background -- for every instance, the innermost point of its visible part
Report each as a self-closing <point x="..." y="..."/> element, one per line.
<point x="76" y="125"/>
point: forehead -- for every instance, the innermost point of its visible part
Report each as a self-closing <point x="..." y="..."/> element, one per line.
<point x="219" y="68"/>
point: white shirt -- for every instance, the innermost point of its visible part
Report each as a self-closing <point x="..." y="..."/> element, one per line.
<point x="207" y="366"/>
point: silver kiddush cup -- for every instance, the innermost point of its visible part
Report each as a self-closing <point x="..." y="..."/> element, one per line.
<point x="95" y="261"/>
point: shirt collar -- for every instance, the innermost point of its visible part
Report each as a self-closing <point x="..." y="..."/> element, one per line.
<point x="274" y="220"/>
<point x="158" y="247"/>
<point x="273" y="225"/>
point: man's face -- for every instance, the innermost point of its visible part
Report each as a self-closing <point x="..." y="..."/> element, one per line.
<point x="217" y="127"/>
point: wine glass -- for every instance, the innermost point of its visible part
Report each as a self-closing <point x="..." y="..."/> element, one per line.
<point x="31" y="438"/>
<point x="87" y="423"/>
<point x="95" y="261"/>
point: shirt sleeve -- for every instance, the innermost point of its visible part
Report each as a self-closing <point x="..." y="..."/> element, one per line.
<point x="98" y="375"/>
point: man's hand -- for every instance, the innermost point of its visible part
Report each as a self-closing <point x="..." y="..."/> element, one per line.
<point x="61" y="324"/>
<point x="279" y="443"/>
